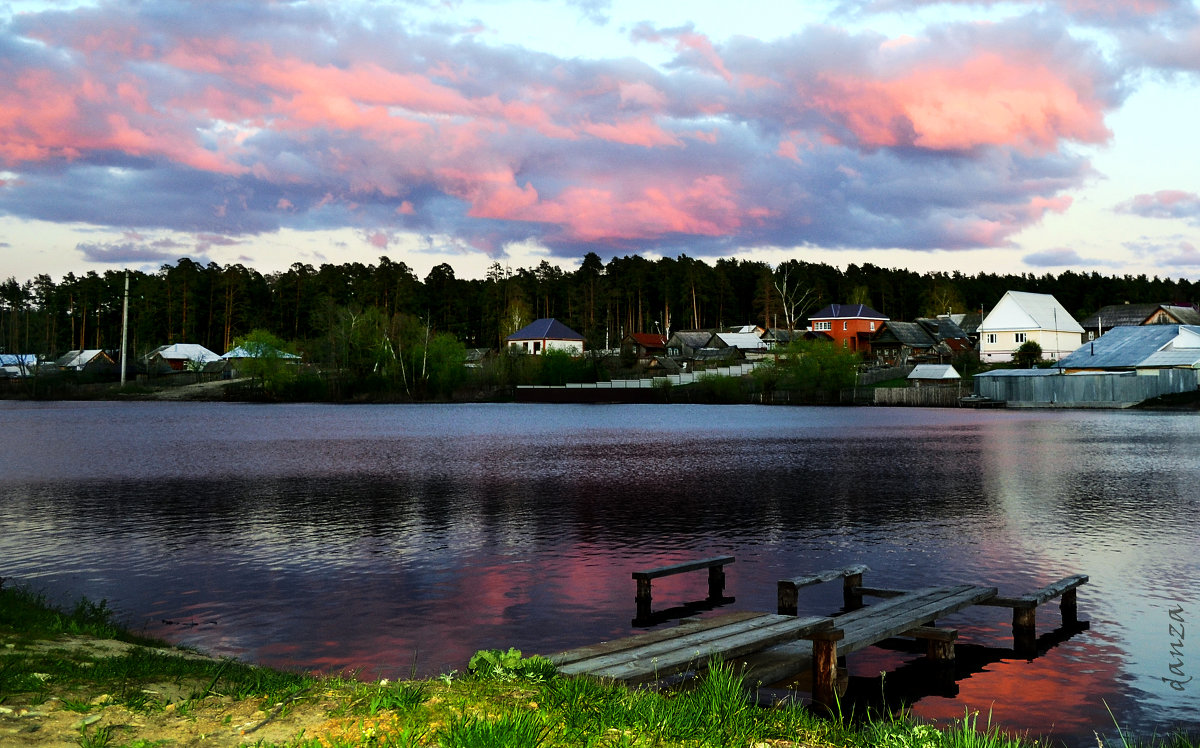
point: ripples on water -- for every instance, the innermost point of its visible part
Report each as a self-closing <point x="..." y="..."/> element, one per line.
<point x="377" y="538"/>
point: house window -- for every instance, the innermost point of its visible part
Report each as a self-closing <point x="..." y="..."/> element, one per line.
<point x="537" y="347"/>
<point x="845" y="326"/>
<point x="872" y="327"/>
<point x="822" y="326"/>
<point x="991" y="338"/>
<point x="845" y="342"/>
<point x="1019" y="337"/>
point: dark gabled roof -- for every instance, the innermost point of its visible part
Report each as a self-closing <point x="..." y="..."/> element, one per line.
<point x="968" y="323"/>
<point x="847" y="311"/>
<point x="911" y="334"/>
<point x="781" y="334"/>
<point x="545" y="329"/>
<point x="816" y="335"/>
<point x="718" y="354"/>
<point x="692" y="338"/>
<point x="1184" y="315"/>
<point x="1116" y="315"/>
<point x="942" y="328"/>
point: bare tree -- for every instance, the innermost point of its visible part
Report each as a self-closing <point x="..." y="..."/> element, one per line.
<point x="795" y="301"/>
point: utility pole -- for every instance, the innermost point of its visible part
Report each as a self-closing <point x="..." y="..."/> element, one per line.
<point x="125" y="330"/>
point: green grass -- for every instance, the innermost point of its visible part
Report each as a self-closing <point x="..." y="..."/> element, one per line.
<point x="506" y="699"/>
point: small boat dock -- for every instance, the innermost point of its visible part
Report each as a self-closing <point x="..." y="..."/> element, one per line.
<point x="776" y="647"/>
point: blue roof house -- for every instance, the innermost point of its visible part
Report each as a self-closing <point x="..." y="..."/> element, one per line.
<point x="546" y="335"/>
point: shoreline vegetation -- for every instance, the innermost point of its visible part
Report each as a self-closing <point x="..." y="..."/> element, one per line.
<point x="77" y="678"/>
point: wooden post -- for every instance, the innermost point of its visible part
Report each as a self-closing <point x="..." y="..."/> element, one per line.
<point x="786" y="598"/>
<point x="1069" y="606"/>
<point x="716" y="582"/>
<point x="851" y="599"/>
<point x="825" y="666"/>
<point x="1025" y="629"/>
<point x="940" y="651"/>
<point x="643" y="599"/>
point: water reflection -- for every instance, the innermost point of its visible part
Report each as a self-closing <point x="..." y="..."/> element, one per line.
<point x="386" y="537"/>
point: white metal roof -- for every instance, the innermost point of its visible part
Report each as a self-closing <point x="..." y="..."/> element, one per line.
<point x="933" y="371"/>
<point x="1020" y="310"/>
<point x="744" y="341"/>
<point x="189" y="351"/>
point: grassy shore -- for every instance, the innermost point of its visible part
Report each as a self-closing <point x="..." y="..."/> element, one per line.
<point x="73" y="678"/>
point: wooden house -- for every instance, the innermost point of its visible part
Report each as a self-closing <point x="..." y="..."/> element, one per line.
<point x="683" y="344"/>
<point x="644" y="345"/>
<point x="1124" y="315"/>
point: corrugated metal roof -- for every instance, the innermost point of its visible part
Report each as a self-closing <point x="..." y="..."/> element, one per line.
<point x="933" y="371"/>
<point x="189" y="351"/>
<point x="1121" y="347"/>
<point x="1020" y="373"/>
<point x="545" y="329"/>
<point x="744" y="341"/>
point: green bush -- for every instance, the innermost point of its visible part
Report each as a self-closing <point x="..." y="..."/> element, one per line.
<point x="496" y="664"/>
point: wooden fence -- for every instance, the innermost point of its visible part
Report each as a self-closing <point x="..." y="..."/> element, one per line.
<point x="925" y="396"/>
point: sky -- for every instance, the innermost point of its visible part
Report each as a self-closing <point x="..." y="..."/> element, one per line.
<point x="1005" y="137"/>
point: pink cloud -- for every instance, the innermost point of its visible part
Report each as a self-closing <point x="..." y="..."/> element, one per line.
<point x="984" y="100"/>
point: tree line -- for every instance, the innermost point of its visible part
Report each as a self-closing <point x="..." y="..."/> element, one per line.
<point x="320" y="310"/>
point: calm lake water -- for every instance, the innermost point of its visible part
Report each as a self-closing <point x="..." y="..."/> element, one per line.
<point x="387" y="539"/>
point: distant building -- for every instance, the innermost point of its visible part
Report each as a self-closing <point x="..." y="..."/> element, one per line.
<point x="933" y="374"/>
<point x="17" y="364"/>
<point x="683" y="344"/>
<point x="92" y="360"/>
<point x="850" y="325"/>
<point x="1123" y="315"/>
<point x="644" y="345"/>
<point x="1140" y="348"/>
<point x="546" y="334"/>
<point x="176" y="357"/>
<point x="1020" y="317"/>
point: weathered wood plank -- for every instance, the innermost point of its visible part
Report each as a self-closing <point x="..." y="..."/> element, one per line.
<point x="650" y="637"/>
<point x="880" y="592"/>
<point x="904" y="614"/>
<point x="1051" y="591"/>
<point x="1038" y="597"/>
<point x="825" y="576"/>
<point x="648" y="665"/>
<point x="680" y="568"/>
<point x="771" y="629"/>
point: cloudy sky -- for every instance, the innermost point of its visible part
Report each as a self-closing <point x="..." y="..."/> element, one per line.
<point x="975" y="136"/>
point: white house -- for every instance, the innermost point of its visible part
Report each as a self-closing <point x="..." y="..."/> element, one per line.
<point x="1020" y="317"/>
<point x="546" y="335"/>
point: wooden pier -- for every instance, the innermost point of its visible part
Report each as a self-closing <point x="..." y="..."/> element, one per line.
<point x="772" y="648"/>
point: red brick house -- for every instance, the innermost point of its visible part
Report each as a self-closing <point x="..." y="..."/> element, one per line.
<point x="850" y="325"/>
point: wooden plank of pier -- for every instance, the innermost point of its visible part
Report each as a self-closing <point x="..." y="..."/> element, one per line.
<point x="649" y="657"/>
